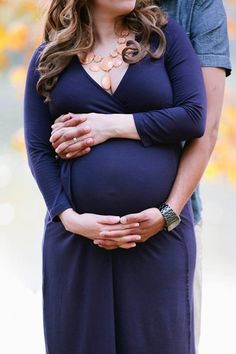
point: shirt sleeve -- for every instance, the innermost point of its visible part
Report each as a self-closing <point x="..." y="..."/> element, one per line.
<point x="41" y="156"/>
<point x="186" y="119"/>
<point x="209" y="36"/>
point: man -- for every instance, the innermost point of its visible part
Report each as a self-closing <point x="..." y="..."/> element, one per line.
<point x="205" y="23"/>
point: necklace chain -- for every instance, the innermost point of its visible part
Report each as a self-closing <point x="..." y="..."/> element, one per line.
<point x="113" y="60"/>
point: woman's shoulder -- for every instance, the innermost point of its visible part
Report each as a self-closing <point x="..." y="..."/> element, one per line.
<point x="176" y="38"/>
<point x="36" y="53"/>
<point x="34" y="60"/>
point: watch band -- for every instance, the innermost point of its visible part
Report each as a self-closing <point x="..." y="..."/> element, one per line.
<point x="171" y="218"/>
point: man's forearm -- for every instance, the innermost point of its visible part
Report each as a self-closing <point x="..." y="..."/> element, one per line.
<point x="122" y="126"/>
<point x="196" y="153"/>
<point x="194" y="160"/>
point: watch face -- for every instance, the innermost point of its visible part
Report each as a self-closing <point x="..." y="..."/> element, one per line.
<point x="171" y="218"/>
<point x="173" y="224"/>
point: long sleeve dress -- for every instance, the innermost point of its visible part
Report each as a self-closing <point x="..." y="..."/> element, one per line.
<point x="136" y="301"/>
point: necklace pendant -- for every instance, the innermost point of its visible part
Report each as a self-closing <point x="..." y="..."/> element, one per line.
<point x="120" y="48"/>
<point x="94" y="67"/>
<point x="124" y="33"/>
<point x="106" y="82"/>
<point x="106" y="64"/>
<point x="117" y="62"/>
<point x="114" y="54"/>
<point x="97" y="58"/>
<point x="87" y="59"/>
<point x="121" y="40"/>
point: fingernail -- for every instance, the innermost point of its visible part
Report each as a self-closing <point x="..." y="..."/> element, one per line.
<point x="136" y="224"/>
<point x="138" y="238"/>
<point x="96" y="242"/>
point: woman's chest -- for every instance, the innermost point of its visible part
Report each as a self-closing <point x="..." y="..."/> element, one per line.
<point x="108" y="79"/>
<point x="139" y="87"/>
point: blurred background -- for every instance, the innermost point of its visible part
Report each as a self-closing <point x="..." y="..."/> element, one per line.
<point x="22" y="209"/>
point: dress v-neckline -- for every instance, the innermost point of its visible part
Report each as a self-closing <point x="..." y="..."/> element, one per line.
<point x="122" y="80"/>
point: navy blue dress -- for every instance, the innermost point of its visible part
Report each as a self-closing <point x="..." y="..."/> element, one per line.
<point x="136" y="301"/>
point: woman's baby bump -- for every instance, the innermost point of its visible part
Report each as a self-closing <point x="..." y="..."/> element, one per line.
<point x="122" y="176"/>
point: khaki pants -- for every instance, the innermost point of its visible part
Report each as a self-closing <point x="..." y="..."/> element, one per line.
<point x="197" y="285"/>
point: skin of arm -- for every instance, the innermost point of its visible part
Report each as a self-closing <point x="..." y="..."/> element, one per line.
<point x="99" y="128"/>
<point x="196" y="153"/>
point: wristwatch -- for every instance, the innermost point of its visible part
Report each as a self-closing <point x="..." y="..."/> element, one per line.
<point x="171" y="218"/>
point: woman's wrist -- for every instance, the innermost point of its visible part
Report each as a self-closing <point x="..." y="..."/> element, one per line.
<point x="67" y="218"/>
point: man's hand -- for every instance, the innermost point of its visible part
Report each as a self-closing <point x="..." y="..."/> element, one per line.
<point x="150" y="220"/>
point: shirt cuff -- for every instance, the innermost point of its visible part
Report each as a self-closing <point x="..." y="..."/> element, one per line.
<point x="216" y="61"/>
<point x="58" y="209"/>
<point x="140" y="126"/>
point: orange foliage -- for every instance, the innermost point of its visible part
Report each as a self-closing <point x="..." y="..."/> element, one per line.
<point x="231" y="27"/>
<point x="17" y="37"/>
<point x="18" y="77"/>
<point x="20" y="34"/>
<point x="223" y="161"/>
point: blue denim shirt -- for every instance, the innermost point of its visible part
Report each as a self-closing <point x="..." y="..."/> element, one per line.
<point x="205" y="23"/>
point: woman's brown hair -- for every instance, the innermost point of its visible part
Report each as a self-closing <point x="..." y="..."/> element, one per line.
<point x="69" y="31"/>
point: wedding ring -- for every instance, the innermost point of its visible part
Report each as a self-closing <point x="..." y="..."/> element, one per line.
<point x="75" y="140"/>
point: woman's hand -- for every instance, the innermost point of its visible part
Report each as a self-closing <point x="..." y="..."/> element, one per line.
<point x="151" y="222"/>
<point x="62" y="124"/>
<point x="87" y="129"/>
<point x="91" y="225"/>
<point x="73" y="135"/>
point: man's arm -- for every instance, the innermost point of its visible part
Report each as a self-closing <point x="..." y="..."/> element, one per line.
<point x="209" y="37"/>
<point x="196" y="153"/>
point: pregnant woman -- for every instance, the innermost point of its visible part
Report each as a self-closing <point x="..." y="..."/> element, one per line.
<point x="130" y="77"/>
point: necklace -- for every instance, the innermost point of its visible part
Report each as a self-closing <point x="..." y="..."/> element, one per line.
<point x="113" y="60"/>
